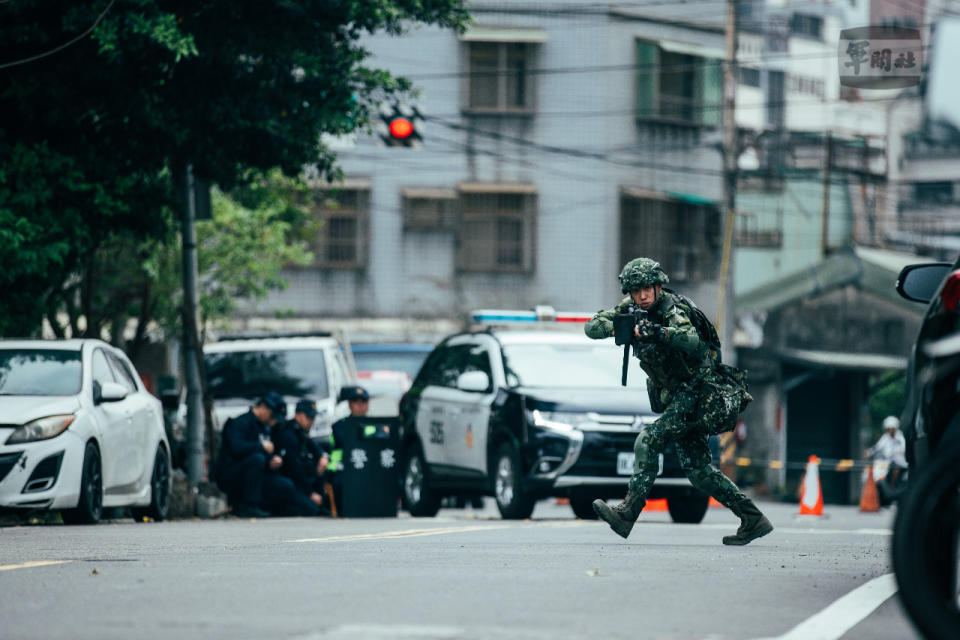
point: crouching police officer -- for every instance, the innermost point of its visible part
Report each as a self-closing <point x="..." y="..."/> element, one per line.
<point x="247" y="466"/>
<point x="697" y="396"/>
<point x="359" y="402"/>
<point x="303" y="461"/>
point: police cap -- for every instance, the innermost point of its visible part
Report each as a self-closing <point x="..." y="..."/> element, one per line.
<point x="307" y="407"/>
<point x="275" y="402"/>
<point x="354" y="393"/>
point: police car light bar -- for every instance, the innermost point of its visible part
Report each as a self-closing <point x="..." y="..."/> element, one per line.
<point x="541" y="314"/>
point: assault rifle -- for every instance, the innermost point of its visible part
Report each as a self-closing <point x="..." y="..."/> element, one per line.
<point x="623" y="324"/>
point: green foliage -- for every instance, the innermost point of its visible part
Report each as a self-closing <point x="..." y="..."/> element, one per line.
<point x="101" y="103"/>
<point x="887" y="397"/>
<point x="242" y="251"/>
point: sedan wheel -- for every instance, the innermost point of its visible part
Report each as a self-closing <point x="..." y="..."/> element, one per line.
<point x="159" y="491"/>
<point x="90" y="507"/>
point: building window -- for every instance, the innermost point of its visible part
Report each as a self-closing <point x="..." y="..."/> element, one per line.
<point x="677" y="87"/>
<point x="776" y="91"/>
<point x="760" y="230"/>
<point x="341" y="242"/>
<point x="807" y="26"/>
<point x="933" y="192"/>
<point x="429" y="209"/>
<point x="496" y="230"/>
<point x="498" y="78"/>
<point x="684" y="237"/>
<point x="750" y="76"/>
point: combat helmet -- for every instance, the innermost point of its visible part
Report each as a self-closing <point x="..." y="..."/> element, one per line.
<point x="641" y="272"/>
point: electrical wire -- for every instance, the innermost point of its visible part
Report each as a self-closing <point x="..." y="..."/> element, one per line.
<point x="63" y="46"/>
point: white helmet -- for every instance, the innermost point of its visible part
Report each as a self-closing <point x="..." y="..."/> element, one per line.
<point x="891" y="422"/>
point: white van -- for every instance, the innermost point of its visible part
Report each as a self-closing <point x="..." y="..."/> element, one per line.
<point x="241" y="370"/>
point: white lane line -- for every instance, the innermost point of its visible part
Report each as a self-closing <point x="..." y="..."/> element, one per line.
<point x="32" y="563"/>
<point x="845" y="613"/>
<point x="781" y="530"/>
<point x="408" y="533"/>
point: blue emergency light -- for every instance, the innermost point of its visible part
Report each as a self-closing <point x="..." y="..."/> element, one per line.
<point x="540" y="314"/>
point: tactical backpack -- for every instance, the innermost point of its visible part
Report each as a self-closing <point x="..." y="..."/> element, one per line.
<point x="705" y="329"/>
<point x="708" y="334"/>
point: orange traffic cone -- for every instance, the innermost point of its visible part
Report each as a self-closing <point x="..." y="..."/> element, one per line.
<point x="658" y="504"/>
<point x="811" y="495"/>
<point x="870" y="497"/>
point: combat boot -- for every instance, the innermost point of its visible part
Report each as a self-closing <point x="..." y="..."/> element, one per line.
<point x="753" y="524"/>
<point x="622" y="517"/>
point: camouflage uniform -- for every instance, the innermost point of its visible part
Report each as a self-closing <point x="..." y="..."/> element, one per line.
<point x="685" y="383"/>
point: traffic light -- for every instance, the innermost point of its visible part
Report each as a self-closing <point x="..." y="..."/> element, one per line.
<point x="401" y="126"/>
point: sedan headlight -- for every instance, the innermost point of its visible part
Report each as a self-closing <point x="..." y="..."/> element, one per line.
<point x="561" y="421"/>
<point x="41" y="429"/>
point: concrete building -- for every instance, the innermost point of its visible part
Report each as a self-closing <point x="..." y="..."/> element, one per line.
<point x="559" y="141"/>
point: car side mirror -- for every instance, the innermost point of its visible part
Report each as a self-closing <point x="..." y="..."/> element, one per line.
<point x="111" y="392"/>
<point x="919" y="282"/>
<point x="474" y="381"/>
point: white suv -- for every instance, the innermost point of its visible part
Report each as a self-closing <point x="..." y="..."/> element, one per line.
<point x="241" y="370"/>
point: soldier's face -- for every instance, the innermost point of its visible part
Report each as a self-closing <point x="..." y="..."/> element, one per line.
<point x="643" y="297"/>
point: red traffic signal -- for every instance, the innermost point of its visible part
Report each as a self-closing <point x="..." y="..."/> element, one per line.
<point x="401" y="128"/>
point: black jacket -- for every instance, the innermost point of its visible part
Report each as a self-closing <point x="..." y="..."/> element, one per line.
<point x="300" y="454"/>
<point x="241" y="437"/>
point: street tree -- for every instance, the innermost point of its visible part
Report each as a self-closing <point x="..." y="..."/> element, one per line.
<point x="103" y="105"/>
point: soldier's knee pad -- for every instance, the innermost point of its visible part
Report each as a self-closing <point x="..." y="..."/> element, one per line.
<point x="645" y="448"/>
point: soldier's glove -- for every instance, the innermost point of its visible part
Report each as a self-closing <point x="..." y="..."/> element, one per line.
<point x="651" y="331"/>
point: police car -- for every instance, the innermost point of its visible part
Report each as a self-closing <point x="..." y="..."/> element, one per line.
<point x="522" y="411"/>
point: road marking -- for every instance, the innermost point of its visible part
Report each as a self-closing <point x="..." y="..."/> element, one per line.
<point x="408" y="533"/>
<point x="845" y="613"/>
<point x="32" y="563"/>
<point x="783" y="530"/>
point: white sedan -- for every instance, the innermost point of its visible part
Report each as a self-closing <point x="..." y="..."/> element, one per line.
<point x="79" y="432"/>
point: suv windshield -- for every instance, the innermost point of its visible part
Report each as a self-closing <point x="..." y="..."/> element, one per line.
<point x="39" y="372"/>
<point x="581" y="366"/>
<point x="408" y="361"/>
<point x="250" y="374"/>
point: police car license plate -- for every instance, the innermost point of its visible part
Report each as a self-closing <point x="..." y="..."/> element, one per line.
<point x="625" y="463"/>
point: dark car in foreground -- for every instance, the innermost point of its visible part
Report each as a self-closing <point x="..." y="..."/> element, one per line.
<point x="926" y="540"/>
<point x="528" y="414"/>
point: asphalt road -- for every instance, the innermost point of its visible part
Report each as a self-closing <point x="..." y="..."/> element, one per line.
<point x="463" y="575"/>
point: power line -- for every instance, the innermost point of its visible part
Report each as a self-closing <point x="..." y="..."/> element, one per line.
<point x="45" y="54"/>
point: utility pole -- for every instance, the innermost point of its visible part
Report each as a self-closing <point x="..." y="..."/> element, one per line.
<point x="730" y="152"/>
<point x="825" y="207"/>
<point x="191" y="339"/>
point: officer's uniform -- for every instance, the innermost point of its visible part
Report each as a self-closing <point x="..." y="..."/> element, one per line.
<point x="301" y="455"/>
<point x="338" y="438"/>
<point x="243" y="471"/>
<point x="694" y="393"/>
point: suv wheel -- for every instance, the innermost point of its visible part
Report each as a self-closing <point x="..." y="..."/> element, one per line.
<point x="512" y="499"/>
<point x="688" y="509"/>
<point x="582" y="505"/>
<point x="418" y="498"/>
